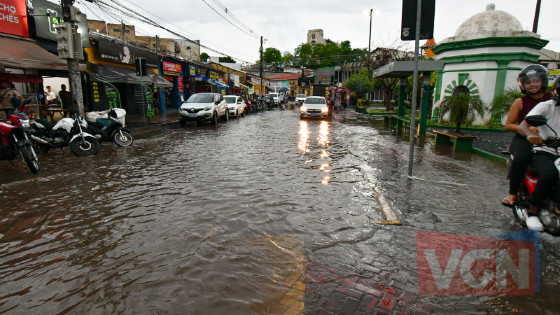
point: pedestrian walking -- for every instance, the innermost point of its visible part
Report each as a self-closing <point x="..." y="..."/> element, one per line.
<point x="10" y="97"/>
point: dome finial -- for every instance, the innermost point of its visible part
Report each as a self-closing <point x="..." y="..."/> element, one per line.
<point x="490" y="7"/>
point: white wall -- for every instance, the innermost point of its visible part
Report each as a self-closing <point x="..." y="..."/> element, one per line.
<point x="55" y="82"/>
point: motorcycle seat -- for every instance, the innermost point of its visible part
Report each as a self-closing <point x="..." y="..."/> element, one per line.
<point x="97" y="124"/>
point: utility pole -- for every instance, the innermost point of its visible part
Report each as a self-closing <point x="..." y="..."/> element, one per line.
<point x="537" y="12"/>
<point x="122" y="30"/>
<point x="157" y="44"/>
<point x="369" y="44"/>
<point x="70" y="48"/>
<point x="261" y="70"/>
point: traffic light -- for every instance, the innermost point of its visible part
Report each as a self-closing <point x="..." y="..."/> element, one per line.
<point x="65" y="40"/>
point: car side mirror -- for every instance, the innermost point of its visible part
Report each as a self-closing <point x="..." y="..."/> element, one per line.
<point x="536" y="120"/>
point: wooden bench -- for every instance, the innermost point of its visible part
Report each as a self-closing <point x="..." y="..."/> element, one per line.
<point x="460" y="143"/>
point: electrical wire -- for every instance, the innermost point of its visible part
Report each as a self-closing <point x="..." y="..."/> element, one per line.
<point x="244" y="31"/>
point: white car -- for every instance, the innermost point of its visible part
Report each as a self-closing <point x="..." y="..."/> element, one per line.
<point x="236" y="105"/>
<point x="314" y="107"/>
<point x="204" y="107"/>
<point x="275" y="98"/>
<point x="300" y="98"/>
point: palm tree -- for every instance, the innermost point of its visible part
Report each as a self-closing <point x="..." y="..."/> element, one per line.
<point x="461" y="105"/>
<point x="502" y="103"/>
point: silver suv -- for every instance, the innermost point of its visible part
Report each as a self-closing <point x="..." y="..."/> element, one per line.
<point x="204" y="107"/>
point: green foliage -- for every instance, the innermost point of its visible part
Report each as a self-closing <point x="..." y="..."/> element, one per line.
<point x="204" y="56"/>
<point x="271" y="55"/>
<point x="502" y="103"/>
<point x="360" y="83"/>
<point x="326" y="55"/>
<point x="462" y="107"/>
<point x="227" y="59"/>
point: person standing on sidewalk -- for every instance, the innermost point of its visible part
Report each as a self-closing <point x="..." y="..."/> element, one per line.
<point x="7" y="93"/>
<point x="533" y="81"/>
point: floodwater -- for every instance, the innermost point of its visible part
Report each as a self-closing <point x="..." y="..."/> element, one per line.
<point x="204" y="219"/>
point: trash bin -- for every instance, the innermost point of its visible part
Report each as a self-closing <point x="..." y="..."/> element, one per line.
<point x="359" y="102"/>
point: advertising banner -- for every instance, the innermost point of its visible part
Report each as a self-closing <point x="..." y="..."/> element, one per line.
<point x="124" y="53"/>
<point x="171" y="67"/>
<point x="13" y="18"/>
<point x="47" y="14"/>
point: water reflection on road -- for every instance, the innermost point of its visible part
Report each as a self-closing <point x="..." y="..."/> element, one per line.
<point x="203" y="219"/>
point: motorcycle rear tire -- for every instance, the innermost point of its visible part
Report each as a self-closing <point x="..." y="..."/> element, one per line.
<point x="123" y="138"/>
<point x="88" y="146"/>
<point x="30" y="158"/>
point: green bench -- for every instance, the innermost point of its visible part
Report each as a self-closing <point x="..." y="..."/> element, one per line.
<point x="460" y="143"/>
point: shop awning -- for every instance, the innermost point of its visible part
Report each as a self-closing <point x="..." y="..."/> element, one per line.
<point x="114" y="74"/>
<point x="15" y="77"/>
<point x="219" y="85"/>
<point x="25" y="54"/>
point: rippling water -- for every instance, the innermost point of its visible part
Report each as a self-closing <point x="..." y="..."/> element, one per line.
<point x="211" y="220"/>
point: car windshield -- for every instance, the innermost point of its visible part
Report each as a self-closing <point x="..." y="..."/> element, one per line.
<point x="301" y="95"/>
<point x="274" y="94"/>
<point x="230" y="99"/>
<point x="315" y="100"/>
<point x="201" y="98"/>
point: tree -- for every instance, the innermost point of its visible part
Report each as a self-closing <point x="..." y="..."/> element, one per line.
<point x="360" y="83"/>
<point x="227" y="59"/>
<point x="381" y="57"/>
<point x="204" y="56"/>
<point x="287" y="58"/>
<point x="272" y="55"/>
<point x="461" y="106"/>
<point x="502" y="103"/>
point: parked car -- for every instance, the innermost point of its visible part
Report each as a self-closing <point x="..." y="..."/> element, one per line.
<point x="314" y="107"/>
<point x="204" y="107"/>
<point x="236" y="105"/>
<point x="275" y="98"/>
<point x="300" y="98"/>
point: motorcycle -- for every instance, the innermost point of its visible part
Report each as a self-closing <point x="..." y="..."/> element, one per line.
<point x="549" y="214"/>
<point x="67" y="131"/>
<point x="14" y="139"/>
<point x="109" y="129"/>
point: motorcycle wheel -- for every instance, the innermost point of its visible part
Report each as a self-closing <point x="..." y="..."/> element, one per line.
<point x="122" y="138"/>
<point x="30" y="158"/>
<point x="88" y="146"/>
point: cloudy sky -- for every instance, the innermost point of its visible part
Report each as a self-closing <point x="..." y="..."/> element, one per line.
<point x="284" y="24"/>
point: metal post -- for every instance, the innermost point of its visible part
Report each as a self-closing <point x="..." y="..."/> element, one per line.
<point x="261" y="68"/>
<point x="414" y="87"/>
<point x="143" y="96"/>
<point x="369" y="45"/>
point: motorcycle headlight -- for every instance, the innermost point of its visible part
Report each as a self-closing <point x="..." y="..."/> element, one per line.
<point x="303" y="108"/>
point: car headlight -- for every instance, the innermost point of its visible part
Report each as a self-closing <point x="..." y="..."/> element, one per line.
<point x="303" y="108"/>
<point x="325" y="110"/>
<point x="208" y="107"/>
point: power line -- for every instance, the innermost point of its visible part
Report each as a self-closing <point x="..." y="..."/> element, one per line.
<point x="144" y="19"/>
<point x="244" y="31"/>
<point x="228" y="12"/>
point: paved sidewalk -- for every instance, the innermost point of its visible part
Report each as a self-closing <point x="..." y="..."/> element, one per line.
<point x="137" y="121"/>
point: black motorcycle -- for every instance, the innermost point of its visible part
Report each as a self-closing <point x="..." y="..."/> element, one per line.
<point x="110" y="130"/>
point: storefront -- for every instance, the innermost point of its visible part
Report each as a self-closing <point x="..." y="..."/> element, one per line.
<point x="112" y="79"/>
<point x="173" y="95"/>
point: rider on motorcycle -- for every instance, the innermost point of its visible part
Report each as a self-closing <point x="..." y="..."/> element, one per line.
<point x="532" y="80"/>
<point x="543" y="159"/>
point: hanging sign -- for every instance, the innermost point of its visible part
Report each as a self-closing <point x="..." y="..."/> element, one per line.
<point x="13" y="17"/>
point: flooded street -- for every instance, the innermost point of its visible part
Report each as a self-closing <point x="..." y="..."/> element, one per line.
<point x="243" y="218"/>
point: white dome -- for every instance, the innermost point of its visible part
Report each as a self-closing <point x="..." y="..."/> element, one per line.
<point x="490" y="23"/>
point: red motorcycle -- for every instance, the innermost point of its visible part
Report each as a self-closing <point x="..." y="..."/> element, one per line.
<point x="549" y="214"/>
<point x="14" y="140"/>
